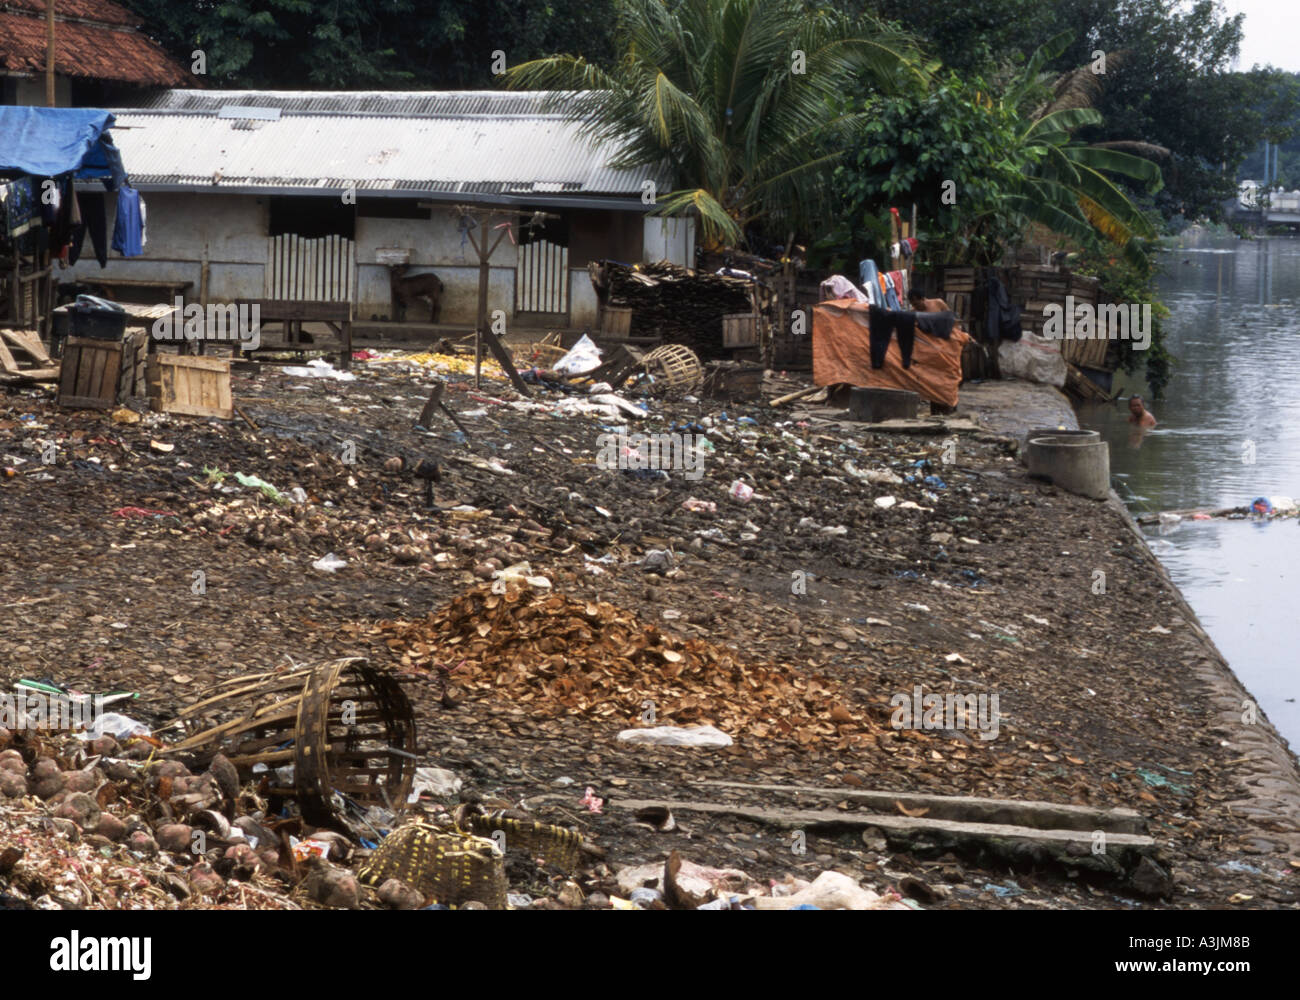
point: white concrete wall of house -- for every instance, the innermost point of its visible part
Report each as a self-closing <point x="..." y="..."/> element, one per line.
<point x="232" y="229"/>
<point x="433" y="243"/>
<point x="180" y="226"/>
<point x="667" y="239"/>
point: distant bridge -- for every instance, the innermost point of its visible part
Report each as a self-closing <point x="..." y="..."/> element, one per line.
<point x="1283" y="210"/>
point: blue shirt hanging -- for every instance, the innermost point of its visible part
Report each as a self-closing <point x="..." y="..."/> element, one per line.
<point x="128" y="229"/>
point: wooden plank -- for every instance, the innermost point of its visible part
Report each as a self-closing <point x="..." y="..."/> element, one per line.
<point x="207" y="364"/>
<point x="970" y="808"/>
<point x="87" y="358"/>
<point x="28" y="375"/>
<point x="1073" y="848"/>
<point x="7" y="361"/>
<point x="28" y="341"/>
<point x="277" y="310"/>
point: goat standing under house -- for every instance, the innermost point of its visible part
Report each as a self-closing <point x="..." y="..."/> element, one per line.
<point x="408" y="289"/>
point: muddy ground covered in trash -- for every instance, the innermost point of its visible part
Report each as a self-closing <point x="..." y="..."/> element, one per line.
<point x="988" y="584"/>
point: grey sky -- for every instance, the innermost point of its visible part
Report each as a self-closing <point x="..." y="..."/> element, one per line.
<point x="1272" y="32"/>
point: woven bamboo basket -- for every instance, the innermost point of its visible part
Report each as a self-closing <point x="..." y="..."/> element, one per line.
<point x="344" y="725"/>
<point x="446" y="866"/>
<point x="542" y="355"/>
<point x="676" y="367"/>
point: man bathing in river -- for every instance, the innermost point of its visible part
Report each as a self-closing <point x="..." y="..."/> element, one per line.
<point x="1138" y="413"/>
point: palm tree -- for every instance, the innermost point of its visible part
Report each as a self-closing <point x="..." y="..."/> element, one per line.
<point x="735" y="99"/>
<point x="1067" y="187"/>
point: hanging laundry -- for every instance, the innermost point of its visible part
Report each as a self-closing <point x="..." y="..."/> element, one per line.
<point x="128" y="229"/>
<point x="56" y="211"/>
<point x="19" y="201"/>
<point x="839" y="287"/>
<point x="869" y="279"/>
<point x="1003" y="315"/>
<point x="900" y="287"/>
<point x="936" y="324"/>
<point x="95" y="223"/>
<point x="892" y="301"/>
<point x="883" y="324"/>
<point x="51" y="198"/>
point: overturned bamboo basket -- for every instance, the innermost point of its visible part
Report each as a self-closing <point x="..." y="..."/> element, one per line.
<point x="676" y="367"/>
<point x="346" y="727"/>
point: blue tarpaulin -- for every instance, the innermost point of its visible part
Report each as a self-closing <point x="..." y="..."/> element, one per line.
<point x="46" y="142"/>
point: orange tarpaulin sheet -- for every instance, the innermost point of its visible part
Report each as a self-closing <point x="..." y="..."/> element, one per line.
<point x="842" y="353"/>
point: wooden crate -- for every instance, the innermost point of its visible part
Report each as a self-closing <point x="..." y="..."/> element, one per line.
<point x="739" y="330"/>
<point x="1086" y="353"/>
<point x="194" y="387"/>
<point x="91" y="374"/>
<point x="959" y="303"/>
<point x="616" y="322"/>
<point x="958" y="279"/>
<point x="733" y="381"/>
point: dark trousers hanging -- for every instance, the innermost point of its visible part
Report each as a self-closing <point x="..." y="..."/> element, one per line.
<point x="936" y="324"/>
<point x="883" y="324"/>
<point x="94" y="222"/>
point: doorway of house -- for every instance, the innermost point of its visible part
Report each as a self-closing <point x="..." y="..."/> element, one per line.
<point x="542" y="275"/>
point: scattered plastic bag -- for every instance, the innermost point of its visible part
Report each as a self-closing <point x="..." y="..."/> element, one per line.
<point x="741" y="491"/>
<point x="436" y="781"/>
<point x="304" y="849"/>
<point x="831" y="891"/>
<point x="256" y="482"/>
<point x="120" y="727"/>
<point x="518" y="573"/>
<point x="329" y="562"/>
<point x="318" y="368"/>
<point x="677" y="736"/>
<point x="583" y="357"/>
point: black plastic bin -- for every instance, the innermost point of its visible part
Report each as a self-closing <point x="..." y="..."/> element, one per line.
<point x="96" y="318"/>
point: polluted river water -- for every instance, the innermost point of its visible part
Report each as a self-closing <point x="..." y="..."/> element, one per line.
<point x="1228" y="432"/>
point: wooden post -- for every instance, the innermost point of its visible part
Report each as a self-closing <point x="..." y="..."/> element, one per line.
<point x="480" y="321"/>
<point x="481" y="332"/>
<point x="911" y="261"/>
<point x="49" y="53"/>
<point x="205" y="272"/>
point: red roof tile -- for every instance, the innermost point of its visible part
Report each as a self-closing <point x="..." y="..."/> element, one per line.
<point x="84" y="10"/>
<point x="96" y="51"/>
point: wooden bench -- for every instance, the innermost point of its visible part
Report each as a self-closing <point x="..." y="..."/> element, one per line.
<point x="291" y="314"/>
<point x="112" y="285"/>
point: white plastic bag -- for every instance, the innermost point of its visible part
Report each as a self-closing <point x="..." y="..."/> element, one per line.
<point x="1034" y="359"/>
<point x="583" y="357"/>
<point x="120" y="727"/>
<point x="677" y="736"/>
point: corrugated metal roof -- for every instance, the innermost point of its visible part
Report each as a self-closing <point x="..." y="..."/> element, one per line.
<point x="393" y="103"/>
<point x="494" y="152"/>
